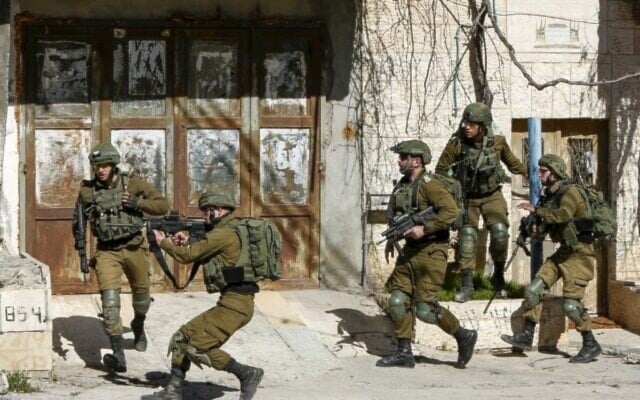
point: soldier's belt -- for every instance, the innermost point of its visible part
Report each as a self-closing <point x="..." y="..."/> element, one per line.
<point x="439" y="236"/>
<point x="233" y="274"/>
<point x="481" y="195"/>
<point x="111" y="244"/>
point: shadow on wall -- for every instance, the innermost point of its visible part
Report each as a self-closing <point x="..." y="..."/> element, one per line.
<point x="374" y="334"/>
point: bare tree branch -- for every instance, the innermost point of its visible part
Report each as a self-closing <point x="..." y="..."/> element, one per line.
<point x="478" y="54"/>
<point x="525" y="73"/>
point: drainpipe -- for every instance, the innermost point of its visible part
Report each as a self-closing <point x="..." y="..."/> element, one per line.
<point x="535" y="187"/>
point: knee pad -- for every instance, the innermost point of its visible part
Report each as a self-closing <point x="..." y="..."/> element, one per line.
<point x="427" y="312"/>
<point x="499" y="234"/>
<point x="110" y="306"/>
<point x="467" y="236"/>
<point x="533" y="293"/>
<point x="397" y="305"/>
<point x="141" y="302"/>
<point x="573" y="309"/>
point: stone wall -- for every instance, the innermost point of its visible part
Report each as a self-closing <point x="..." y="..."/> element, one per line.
<point x="410" y="61"/>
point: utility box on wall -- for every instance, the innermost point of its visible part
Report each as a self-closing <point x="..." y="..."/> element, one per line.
<point x="25" y="320"/>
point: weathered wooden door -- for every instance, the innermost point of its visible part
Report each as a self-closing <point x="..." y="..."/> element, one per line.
<point x="230" y="110"/>
<point x="582" y="144"/>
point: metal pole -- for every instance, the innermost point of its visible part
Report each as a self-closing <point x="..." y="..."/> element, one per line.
<point x="535" y="152"/>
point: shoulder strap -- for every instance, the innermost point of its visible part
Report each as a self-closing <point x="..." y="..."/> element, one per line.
<point x="155" y="249"/>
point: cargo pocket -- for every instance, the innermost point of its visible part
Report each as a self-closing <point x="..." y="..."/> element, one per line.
<point x="580" y="282"/>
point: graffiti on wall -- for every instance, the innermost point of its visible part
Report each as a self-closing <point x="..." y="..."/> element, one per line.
<point x="139" y="78"/>
<point x="285" y="83"/>
<point x="284" y="160"/>
<point x="213" y="162"/>
<point x="63" y="76"/>
<point x="61" y="164"/>
<point x="142" y="152"/>
<point x="213" y="87"/>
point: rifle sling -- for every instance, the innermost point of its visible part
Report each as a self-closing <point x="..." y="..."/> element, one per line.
<point x="155" y="249"/>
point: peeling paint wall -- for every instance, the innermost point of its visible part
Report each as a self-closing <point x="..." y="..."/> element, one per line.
<point x="340" y="256"/>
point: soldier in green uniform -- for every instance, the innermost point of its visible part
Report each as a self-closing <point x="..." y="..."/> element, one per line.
<point x="420" y="267"/>
<point x="200" y="339"/>
<point x="573" y="262"/>
<point x="474" y="155"/>
<point x="114" y="202"/>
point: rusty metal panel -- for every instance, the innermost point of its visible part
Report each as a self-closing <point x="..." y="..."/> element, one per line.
<point x="213" y="81"/>
<point x="143" y="151"/>
<point x="284" y="161"/>
<point x="61" y="163"/>
<point x="55" y="247"/>
<point x="62" y="86"/>
<point x="214" y="162"/>
<point x="295" y="246"/>
<point x="139" y="79"/>
<point x="285" y="83"/>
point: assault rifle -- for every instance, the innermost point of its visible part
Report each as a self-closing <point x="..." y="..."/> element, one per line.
<point x="525" y="230"/>
<point x="170" y="224"/>
<point x="402" y="223"/>
<point x="80" y="236"/>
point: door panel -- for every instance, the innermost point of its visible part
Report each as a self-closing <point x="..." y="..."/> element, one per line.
<point x="578" y="143"/>
<point x="59" y="125"/>
<point x="284" y="189"/>
<point x="190" y="110"/>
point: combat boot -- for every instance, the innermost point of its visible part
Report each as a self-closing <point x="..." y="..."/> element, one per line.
<point x="466" y="291"/>
<point x="590" y="349"/>
<point x="139" y="336"/>
<point x="524" y="339"/>
<point x="497" y="278"/>
<point x="401" y="358"/>
<point x="466" y="339"/>
<point x="116" y="361"/>
<point x="249" y="377"/>
<point x="173" y="390"/>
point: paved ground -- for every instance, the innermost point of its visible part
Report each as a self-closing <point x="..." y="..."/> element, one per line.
<point x="321" y="344"/>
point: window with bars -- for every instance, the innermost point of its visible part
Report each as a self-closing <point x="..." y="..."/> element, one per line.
<point x="582" y="164"/>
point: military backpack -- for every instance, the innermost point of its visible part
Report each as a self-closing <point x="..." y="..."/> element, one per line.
<point x="600" y="222"/>
<point x="260" y="247"/>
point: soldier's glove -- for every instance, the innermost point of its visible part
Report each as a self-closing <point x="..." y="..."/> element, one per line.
<point x="131" y="202"/>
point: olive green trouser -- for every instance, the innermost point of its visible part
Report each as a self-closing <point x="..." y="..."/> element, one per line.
<point x="134" y="261"/>
<point x="419" y="272"/>
<point x="576" y="268"/>
<point x="493" y="210"/>
<point x="210" y="330"/>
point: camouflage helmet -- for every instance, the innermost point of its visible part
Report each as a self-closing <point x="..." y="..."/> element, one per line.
<point x="207" y="200"/>
<point x="478" y="112"/>
<point x="104" y="153"/>
<point x="555" y="163"/>
<point x="414" y="148"/>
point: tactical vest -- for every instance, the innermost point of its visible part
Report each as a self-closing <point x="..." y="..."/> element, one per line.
<point x="484" y="169"/>
<point x="109" y="219"/>
<point x="217" y="276"/>
<point x="566" y="233"/>
<point x="404" y="198"/>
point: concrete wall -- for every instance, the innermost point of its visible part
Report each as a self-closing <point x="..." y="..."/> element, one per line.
<point x="340" y="257"/>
